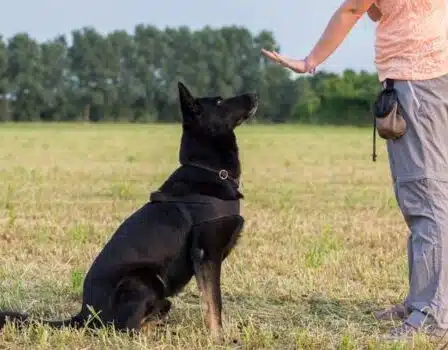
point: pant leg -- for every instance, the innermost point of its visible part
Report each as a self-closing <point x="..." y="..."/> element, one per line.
<point x="410" y="253"/>
<point x="424" y="204"/>
<point x="408" y="246"/>
<point x="419" y="167"/>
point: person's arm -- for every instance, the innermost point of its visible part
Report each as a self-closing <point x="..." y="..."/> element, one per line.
<point x="374" y="13"/>
<point x="337" y="29"/>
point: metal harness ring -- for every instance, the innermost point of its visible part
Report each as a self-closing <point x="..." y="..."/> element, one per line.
<point x="223" y="174"/>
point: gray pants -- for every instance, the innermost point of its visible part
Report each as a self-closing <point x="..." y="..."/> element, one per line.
<point x="419" y="168"/>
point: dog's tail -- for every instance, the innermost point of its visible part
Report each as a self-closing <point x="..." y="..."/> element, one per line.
<point x="20" y="320"/>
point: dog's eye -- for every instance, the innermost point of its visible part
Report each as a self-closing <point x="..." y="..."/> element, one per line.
<point x="218" y="102"/>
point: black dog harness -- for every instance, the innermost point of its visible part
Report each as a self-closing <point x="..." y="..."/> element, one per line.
<point x="200" y="208"/>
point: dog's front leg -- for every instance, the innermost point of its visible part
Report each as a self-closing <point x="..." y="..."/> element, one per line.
<point x="208" y="277"/>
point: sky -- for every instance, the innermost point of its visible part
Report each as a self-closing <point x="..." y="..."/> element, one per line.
<point x="296" y="24"/>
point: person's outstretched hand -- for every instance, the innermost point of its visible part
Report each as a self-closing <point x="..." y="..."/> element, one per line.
<point x="298" y="66"/>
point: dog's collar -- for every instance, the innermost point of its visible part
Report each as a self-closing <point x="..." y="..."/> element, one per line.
<point x="223" y="174"/>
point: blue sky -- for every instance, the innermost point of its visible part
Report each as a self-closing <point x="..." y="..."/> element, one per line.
<point x="297" y="24"/>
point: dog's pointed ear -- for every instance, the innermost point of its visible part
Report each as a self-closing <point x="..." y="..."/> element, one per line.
<point x="188" y="104"/>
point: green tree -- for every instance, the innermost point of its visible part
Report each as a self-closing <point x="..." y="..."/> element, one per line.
<point x="4" y="83"/>
<point x="122" y="75"/>
<point x="149" y="78"/>
<point x="308" y="103"/>
<point x="25" y="74"/>
<point x="91" y="65"/>
<point x="133" y="77"/>
<point x="56" y="83"/>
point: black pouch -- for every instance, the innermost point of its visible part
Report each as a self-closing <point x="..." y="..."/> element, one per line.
<point x="388" y="121"/>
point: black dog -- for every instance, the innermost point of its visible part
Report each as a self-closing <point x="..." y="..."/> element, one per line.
<point x="186" y="229"/>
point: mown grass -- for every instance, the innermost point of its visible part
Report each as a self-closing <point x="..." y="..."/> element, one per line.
<point x="323" y="245"/>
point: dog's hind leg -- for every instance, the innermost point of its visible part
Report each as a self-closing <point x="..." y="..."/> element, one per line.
<point x="157" y="313"/>
<point x="160" y="310"/>
<point x="139" y="299"/>
<point x="130" y="315"/>
<point x="131" y="302"/>
<point x="134" y="314"/>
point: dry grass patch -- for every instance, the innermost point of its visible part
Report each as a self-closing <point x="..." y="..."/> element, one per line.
<point x="322" y="247"/>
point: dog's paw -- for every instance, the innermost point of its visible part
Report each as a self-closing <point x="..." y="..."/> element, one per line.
<point x="217" y="336"/>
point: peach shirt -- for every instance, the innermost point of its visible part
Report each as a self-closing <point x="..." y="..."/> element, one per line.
<point x="412" y="39"/>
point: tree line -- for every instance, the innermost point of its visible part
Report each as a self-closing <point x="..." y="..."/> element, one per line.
<point x="120" y="76"/>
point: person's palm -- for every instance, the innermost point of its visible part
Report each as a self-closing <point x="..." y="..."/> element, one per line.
<point x="298" y="66"/>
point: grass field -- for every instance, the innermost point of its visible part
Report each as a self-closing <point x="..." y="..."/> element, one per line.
<point x="323" y="245"/>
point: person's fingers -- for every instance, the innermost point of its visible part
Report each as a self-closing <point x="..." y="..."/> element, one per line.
<point x="270" y="55"/>
<point x="267" y="52"/>
<point x="278" y="56"/>
<point x="284" y="61"/>
<point x="273" y="55"/>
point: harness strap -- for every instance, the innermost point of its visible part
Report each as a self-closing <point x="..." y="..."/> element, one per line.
<point x="200" y="208"/>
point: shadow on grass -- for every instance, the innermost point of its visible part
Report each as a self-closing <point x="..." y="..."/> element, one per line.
<point x="308" y="322"/>
<point x="315" y="310"/>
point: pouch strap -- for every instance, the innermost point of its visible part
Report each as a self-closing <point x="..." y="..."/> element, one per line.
<point x="374" y="140"/>
<point x="389" y="85"/>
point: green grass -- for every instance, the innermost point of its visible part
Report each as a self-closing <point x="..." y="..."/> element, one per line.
<point x="323" y="245"/>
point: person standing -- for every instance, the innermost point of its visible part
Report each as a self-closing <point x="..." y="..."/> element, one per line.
<point x="411" y="49"/>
